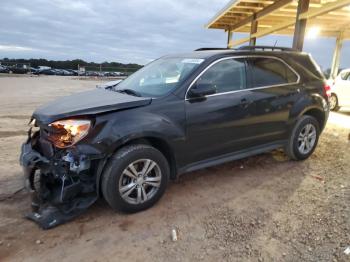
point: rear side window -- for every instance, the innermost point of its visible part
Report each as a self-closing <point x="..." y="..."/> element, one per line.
<point x="306" y="65"/>
<point x="269" y="72"/>
<point x="226" y="75"/>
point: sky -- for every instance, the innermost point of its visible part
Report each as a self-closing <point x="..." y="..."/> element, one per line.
<point x="129" y="31"/>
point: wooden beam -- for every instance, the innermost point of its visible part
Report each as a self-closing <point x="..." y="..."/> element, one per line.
<point x="253" y="30"/>
<point x="222" y="12"/>
<point x="300" y="25"/>
<point x="257" y="1"/>
<point x="326" y="8"/>
<point x="274" y="29"/>
<point x="229" y="38"/>
<point x="271" y="8"/>
<point x="240" y="41"/>
<point x="249" y="7"/>
<point x="267" y="10"/>
<point x="336" y="55"/>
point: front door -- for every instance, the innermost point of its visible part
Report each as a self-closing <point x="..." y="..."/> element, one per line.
<point x="216" y="121"/>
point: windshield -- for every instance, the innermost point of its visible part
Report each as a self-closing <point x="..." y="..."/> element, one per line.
<point x="159" y="77"/>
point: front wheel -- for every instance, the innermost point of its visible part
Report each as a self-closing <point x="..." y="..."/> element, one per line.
<point x="333" y="103"/>
<point x="303" y="139"/>
<point x="135" y="178"/>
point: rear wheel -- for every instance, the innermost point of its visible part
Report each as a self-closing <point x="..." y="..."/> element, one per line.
<point x="303" y="139"/>
<point x="135" y="178"/>
<point x="333" y="103"/>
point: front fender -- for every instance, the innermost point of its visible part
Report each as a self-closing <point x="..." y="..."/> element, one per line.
<point x="118" y="129"/>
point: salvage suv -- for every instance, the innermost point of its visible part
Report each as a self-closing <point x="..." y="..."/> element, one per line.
<point x="180" y="113"/>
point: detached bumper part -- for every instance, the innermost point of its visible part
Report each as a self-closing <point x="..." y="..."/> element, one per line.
<point x="50" y="216"/>
<point x="64" y="189"/>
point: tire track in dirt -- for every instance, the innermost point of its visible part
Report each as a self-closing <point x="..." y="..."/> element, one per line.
<point x="5" y="134"/>
<point x="16" y="116"/>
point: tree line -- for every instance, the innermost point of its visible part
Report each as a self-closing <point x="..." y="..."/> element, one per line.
<point x="68" y="64"/>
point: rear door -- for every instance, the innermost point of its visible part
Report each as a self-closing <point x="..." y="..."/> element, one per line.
<point x="274" y="89"/>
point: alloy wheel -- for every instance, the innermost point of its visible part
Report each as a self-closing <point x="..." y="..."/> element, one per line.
<point x="307" y="139"/>
<point x="140" y="181"/>
<point x="332" y="102"/>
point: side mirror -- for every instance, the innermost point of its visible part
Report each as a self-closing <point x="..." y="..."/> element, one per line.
<point x="202" y="89"/>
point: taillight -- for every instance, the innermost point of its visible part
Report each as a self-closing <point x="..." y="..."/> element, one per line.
<point x="327" y="90"/>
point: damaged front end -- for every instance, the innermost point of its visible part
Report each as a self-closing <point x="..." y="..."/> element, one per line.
<point x="62" y="181"/>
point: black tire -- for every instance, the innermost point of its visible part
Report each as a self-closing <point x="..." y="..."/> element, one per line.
<point x="334" y="106"/>
<point x="292" y="148"/>
<point x="112" y="177"/>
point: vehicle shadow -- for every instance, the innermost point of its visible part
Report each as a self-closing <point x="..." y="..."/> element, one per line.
<point x="259" y="179"/>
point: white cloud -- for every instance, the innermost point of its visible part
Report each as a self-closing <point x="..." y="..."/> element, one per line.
<point x="134" y="31"/>
<point x="19" y="11"/>
<point x="15" y="48"/>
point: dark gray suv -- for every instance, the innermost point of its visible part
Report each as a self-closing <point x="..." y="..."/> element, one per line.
<point x="180" y="113"/>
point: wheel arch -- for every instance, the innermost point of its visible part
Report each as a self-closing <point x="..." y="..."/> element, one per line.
<point x="160" y="144"/>
<point x="337" y="97"/>
<point x="318" y="114"/>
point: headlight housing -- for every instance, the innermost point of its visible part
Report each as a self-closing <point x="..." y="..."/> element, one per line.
<point x="65" y="133"/>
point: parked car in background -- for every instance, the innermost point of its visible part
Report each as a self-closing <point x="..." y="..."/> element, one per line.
<point x="340" y="91"/>
<point x="34" y="70"/>
<point x="73" y="72"/>
<point x="177" y="114"/>
<point x="19" y="69"/>
<point x="46" y="72"/>
<point x="4" y="69"/>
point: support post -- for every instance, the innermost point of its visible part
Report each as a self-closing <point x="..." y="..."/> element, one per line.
<point x="253" y="30"/>
<point x="336" y="55"/>
<point x="300" y="25"/>
<point x="229" y="39"/>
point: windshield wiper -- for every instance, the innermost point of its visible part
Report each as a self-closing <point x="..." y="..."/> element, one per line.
<point x="129" y="92"/>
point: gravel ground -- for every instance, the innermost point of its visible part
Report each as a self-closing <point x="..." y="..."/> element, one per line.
<point x="263" y="208"/>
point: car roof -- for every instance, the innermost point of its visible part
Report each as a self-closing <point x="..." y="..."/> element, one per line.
<point x="224" y="52"/>
<point x="345" y="70"/>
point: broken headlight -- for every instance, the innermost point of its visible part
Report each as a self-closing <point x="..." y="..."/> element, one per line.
<point x="65" y="133"/>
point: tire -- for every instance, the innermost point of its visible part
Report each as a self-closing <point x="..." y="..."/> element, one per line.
<point x="297" y="138"/>
<point x="333" y="103"/>
<point x="127" y="192"/>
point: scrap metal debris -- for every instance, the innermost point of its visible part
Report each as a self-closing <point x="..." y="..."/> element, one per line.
<point x="347" y="251"/>
<point x="174" y="235"/>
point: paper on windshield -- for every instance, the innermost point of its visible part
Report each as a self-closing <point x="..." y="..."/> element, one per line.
<point x="192" y="61"/>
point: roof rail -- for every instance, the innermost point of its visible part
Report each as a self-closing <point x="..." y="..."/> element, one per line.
<point x="211" y="48"/>
<point x="266" y="48"/>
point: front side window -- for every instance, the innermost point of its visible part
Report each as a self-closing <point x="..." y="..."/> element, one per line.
<point x="225" y="76"/>
<point x="345" y="76"/>
<point x="269" y="72"/>
<point x="159" y="77"/>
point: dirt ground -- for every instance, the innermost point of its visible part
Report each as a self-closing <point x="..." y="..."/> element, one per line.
<point x="264" y="208"/>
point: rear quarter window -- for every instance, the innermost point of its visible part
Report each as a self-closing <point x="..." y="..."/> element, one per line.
<point x="270" y="71"/>
<point x="307" y="66"/>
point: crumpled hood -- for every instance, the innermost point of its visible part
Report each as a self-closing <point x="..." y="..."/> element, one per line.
<point x="87" y="103"/>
